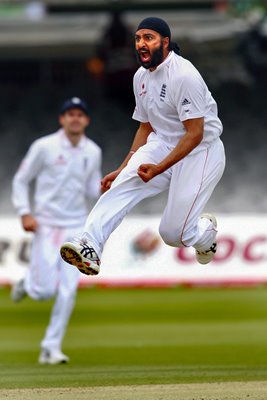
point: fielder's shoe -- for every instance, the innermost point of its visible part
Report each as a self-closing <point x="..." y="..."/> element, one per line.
<point x="204" y="257"/>
<point x="52" y="357"/>
<point x="82" y="255"/>
<point x="18" y="291"/>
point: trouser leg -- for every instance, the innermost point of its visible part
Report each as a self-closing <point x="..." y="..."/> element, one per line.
<point x="41" y="277"/>
<point x="126" y="191"/>
<point x="50" y="276"/>
<point x="192" y="183"/>
<point x="62" y="308"/>
<point x="67" y="283"/>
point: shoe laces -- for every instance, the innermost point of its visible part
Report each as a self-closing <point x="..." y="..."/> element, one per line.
<point x="87" y="250"/>
<point x="212" y="249"/>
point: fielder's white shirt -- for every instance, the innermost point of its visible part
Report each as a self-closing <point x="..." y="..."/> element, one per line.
<point x="171" y="94"/>
<point x="65" y="177"/>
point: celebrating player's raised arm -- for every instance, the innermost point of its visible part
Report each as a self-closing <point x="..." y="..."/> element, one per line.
<point x="187" y="143"/>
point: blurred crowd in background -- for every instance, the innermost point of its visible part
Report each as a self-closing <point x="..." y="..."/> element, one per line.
<point x="53" y="50"/>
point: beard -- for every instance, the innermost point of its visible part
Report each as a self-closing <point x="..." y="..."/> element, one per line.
<point x="155" y="60"/>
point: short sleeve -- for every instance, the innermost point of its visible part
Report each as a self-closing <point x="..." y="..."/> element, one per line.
<point x="189" y="97"/>
<point x="139" y="113"/>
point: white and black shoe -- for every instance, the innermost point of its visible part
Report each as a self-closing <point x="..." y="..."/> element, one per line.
<point x="52" y="357"/>
<point x="18" y="291"/>
<point x="206" y="256"/>
<point x="82" y="255"/>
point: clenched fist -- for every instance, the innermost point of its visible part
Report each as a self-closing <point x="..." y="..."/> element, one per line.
<point x="148" y="171"/>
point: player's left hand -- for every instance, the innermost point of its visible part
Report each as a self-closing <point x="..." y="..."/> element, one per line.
<point x="108" y="179"/>
<point x="148" y="171"/>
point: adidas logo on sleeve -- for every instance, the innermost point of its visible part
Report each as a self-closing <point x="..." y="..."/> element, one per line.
<point x="185" y="102"/>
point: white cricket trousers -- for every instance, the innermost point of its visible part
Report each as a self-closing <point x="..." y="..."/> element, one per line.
<point x="49" y="276"/>
<point x="190" y="183"/>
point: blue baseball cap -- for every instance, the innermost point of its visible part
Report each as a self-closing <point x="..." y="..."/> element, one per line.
<point x="74" y="102"/>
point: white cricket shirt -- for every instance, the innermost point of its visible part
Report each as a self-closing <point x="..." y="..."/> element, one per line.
<point x="65" y="177"/>
<point x="171" y="94"/>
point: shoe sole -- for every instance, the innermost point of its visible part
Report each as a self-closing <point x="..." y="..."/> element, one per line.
<point x="72" y="257"/>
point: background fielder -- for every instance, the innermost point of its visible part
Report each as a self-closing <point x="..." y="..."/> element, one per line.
<point x="66" y="168"/>
<point x="176" y="148"/>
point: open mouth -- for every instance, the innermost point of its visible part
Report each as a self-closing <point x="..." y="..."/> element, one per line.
<point x="144" y="55"/>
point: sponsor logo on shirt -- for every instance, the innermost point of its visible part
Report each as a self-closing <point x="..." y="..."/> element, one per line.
<point x="186" y="102"/>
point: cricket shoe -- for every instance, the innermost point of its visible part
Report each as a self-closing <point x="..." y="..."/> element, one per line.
<point x="82" y="255"/>
<point x="18" y="291"/>
<point x="52" y="357"/>
<point x="204" y="257"/>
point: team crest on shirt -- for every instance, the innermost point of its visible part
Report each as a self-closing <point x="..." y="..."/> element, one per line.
<point x="60" y="160"/>
<point x="143" y="91"/>
<point x="163" y="92"/>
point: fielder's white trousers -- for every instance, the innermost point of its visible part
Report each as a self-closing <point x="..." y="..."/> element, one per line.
<point x="190" y="183"/>
<point x="50" y="276"/>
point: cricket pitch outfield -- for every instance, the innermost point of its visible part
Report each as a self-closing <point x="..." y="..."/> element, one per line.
<point x="149" y="344"/>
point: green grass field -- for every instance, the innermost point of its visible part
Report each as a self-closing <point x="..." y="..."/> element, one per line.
<point x="140" y="336"/>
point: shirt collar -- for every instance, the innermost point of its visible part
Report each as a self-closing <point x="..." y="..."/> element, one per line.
<point x="164" y="63"/>
<point x="67" y="143"/>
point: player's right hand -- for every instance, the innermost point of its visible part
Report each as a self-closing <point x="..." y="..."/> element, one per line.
<point x="29" y="223"/>
<point x="108" y="179"/>
<point x="148" y="171"/>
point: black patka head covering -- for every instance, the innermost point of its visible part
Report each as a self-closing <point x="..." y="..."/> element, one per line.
<point x="159" y="25"/>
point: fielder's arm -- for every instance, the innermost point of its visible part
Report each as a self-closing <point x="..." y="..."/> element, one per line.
<point x="29" y="168"/>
